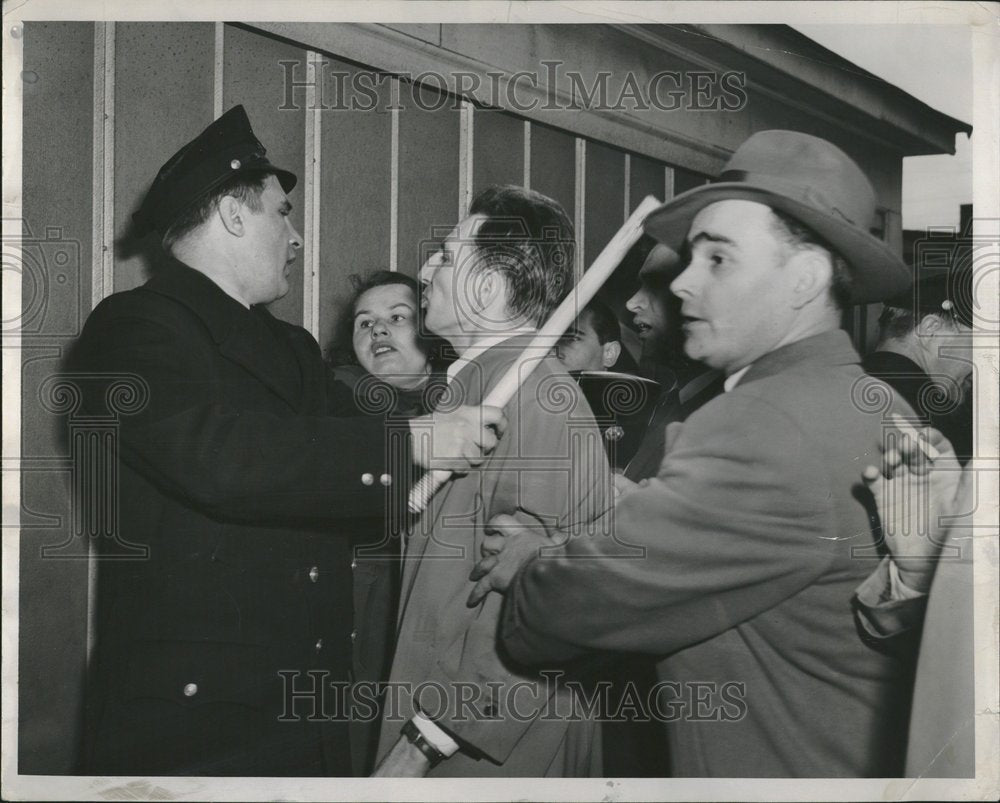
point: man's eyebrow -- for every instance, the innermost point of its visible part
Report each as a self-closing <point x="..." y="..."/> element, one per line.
<point x="705" y="236"/>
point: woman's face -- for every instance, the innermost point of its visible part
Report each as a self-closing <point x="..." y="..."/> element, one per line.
<point x="385" y="335"/>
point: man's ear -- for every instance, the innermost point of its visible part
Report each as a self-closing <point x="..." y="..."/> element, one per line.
<point x="930" y="325"/>
<point x="810" y="272"/>
<point x="490" y="286"/>
<point x="610" y="352"/>
<point x="230" y="212"/>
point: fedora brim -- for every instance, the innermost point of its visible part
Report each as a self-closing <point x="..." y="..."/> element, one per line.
<point x="877" y="272"/>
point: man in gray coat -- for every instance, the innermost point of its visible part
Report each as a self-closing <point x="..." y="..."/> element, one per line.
<point x="756" y="530"/>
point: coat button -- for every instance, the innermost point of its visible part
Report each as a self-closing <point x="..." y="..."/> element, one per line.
<point x="319" y="645"/>
<point x="354" y="564"/>
<point x="354" y="635"/>
<point x="367" y="479"/>
<point x="386" y="480"/>
<point x="190" y="689"/>
<point x="314" y="574"/>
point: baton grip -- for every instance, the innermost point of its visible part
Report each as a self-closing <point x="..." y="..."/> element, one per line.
<point x="424" y="488"/>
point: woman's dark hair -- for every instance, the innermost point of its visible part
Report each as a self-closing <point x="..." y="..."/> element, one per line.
<point x="342" y="348"/>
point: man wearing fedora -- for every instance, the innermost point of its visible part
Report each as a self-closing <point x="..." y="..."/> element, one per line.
<point x="755" y="530"/>
<point x="224" y="633"/>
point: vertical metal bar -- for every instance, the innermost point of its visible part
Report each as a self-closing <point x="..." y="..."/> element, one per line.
<point x="527" y="155"/>
<point x="220" y="61"/>
<point x="628" y="188"/>
<point x="394" y="177"/>
<point x="466" y="143"/>
<point x="103" y="218"/>
<point x="102" y="199"/>
<point x="311" y="187"/>
<point x="668" y="182"/>
<point x="109" y="159"/>
<point x="580" y="203"/>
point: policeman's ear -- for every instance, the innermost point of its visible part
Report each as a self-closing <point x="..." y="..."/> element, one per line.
<point x="810" y="273"/>
<point x="610" y="352"/>
<point x="230" y="212"/>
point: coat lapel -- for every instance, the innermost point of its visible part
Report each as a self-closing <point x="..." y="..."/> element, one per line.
<point x="261" y="358"/>
<point x="236" y="330"/>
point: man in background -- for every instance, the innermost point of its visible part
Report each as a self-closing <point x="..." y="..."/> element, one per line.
<point x="925" y="352"/>
<point x="593" y="342"/>
<point x="686" y="384"/>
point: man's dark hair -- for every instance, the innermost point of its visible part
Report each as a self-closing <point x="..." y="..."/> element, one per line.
<point x="528" y="238"/>
<point x="895" y="322"/>
<point x="245" y="187"/>
<point x="603" y="321"/>
<point x="799" y="236"/>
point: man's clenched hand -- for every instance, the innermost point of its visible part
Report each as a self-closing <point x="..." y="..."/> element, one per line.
<point x="456" y="440"/>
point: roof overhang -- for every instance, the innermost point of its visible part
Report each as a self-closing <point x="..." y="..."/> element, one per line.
<point x="786" y="64"/>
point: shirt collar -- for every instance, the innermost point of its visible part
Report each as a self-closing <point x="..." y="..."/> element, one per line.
<point x="732" y="380"/>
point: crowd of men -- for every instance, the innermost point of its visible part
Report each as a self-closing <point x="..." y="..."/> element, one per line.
<point x="729" y="582"/>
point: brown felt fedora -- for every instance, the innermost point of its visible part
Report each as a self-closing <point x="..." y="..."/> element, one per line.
<point x="814" y="182"/>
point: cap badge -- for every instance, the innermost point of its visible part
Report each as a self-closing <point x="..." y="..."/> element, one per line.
<point x="235" y="164"/>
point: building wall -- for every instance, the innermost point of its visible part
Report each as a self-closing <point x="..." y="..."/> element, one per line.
<point x="109" y="102"/>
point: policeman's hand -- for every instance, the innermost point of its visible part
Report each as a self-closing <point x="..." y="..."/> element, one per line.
<point x="456" y="440"/>
<point x="916" y="489"/>
<point x="507" y="547"/>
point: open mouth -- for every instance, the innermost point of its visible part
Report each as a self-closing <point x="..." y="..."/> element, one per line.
<point x="381" y="348"/>
<point x="642" y="329"/>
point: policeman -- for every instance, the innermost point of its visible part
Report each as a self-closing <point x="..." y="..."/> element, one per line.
<point x="225" y="650"/>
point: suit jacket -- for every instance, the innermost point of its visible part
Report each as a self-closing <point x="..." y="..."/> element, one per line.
<point x="755" y="533"/>
<point x="234" y="476"/>
<point x="549" y="469"/>
<point x="670" y="409"/>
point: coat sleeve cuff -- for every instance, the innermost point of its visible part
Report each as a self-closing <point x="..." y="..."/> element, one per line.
<point x="885" y="606"/>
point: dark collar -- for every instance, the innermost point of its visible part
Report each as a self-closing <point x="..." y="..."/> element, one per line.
<point x="892" y="362"/>
<point x="827" y="349"/>
<point x="220" y="311"/>
<point x="233" y="327"/>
